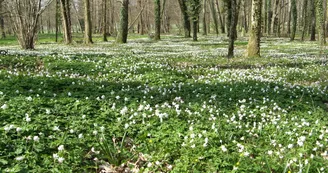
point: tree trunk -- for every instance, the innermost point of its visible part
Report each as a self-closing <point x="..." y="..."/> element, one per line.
<point x="66" y="19"/>
<point x="270" y="15"/>
<point x="215" y="18"/>
<point x="222" y="25"/>
<point x="305" y="18"/>
<point x="253" y="47"/>
<point x="321" y="22"/>
<point x="141" y="24"/>
<point x="294" y="19"/>
<point x="157" y="35"/>
<point x="104" y="22"/>
<point x="2" y="22"/>
<point x="313" y="18"/>
<point x="186" y="20"/>
<point x="231" y="6"/>
<point x="204" y="18"/>
<point x="124" y="23"/>
<point x="275" y="18"/>
<point x="87" y="23"/>
<point x="57" y="18"/>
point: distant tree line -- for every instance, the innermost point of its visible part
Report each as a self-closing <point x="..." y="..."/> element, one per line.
<point x="301" y="19"/>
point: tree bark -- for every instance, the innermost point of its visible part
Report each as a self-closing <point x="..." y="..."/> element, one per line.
<point x="275" y="18"/>
<point x="204" y="18"/>
<point x="270" y="15"/>
<point x="124" y="23"/>
<point x="294" y="19"/>
<point x="215" y="18"/>
<point x="321" y="22"/>
<point x="222" y="25"/>
<point x="305" y="18"/>
<point x="66" y="19"/>
<point x="186" y="20"/>
<point x="253" y="48"/>
<point x="104" y="22"/>
<point x="313" y="18"/>
<point x="231" y="6"/>
<point x="2" y="22"/>
<point x="87" y="23"/>
<point x="157" y="35"/>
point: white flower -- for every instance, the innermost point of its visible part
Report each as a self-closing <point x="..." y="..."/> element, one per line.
<point x="193" y="146"/>
<point x="246" y="154"/>
<point x="4" y="106"/>
<point x="27" y="118"/>
<point x="36" y="138"/>
<point x="56" y="128"/>
<point x="224" y="149"/>
<point x="95" y="132"/>
<point x="48" y="111"/>
<point x="19" y="158"/>
<point x="126" y="126"/>
<point x="61" y="148"/>
<point x="69" y="94"/>
<point x="55" y="156"/>
<point x="102" y="128"/>
<point x="80" y="136"/>
<point x="290" y="146"/>
<point x="192" y="136"/>
<point x="29" y="98"/>
<point x="18" y="129"/>
<point x="71" y="131"/>
<point x="124" y="110"/>
<point x="169" y="167"/>
<point x="61" y="159"/>
<point x="149" y="164"/>
<point x="270" y="152"/>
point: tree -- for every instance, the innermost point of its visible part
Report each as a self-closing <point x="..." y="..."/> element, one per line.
<point x="194" y="11"/>
<point x="220" y="17"/>
<point x="305" y="18"/>
<point x="214" y="16"/>
<point x="66" y="19"/>
<point x="2" y="21"/>
<point x="204" y="18"/>
<point x="104" y="30"/>
<point x="25" y="17"/>
<point x="321" y="21"/>
<point x="294" y="19"/>
<point x="186" y="20"/>
<point x="87" y="23"/>
<point x="231" y="7"/>
<point x="253" y="48"/>
<point x="124" y="22"/>
<point x="157" y="20"/>
<point x="275" y="18"/>
<point x="313" y="19"/>
<point x="270" y="15"/>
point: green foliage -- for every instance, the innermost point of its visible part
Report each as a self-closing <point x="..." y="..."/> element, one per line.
<point x="173" y="106"/>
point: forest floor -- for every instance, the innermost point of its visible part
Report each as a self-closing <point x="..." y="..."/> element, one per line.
<point x="173" y="105"/>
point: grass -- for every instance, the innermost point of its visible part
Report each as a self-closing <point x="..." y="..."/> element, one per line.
<point x="168" y="106"/>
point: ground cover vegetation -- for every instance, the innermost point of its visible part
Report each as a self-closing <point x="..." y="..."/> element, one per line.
<point x="173" y="105"/>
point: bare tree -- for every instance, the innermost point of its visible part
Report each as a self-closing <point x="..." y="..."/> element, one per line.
<point x="294" y="19"/>
<point x="186" y="20"/>
<point x="157" y="20"/>
<point x="2" y="21"/>
<point x="25" y="18"/>
<point x="253" y="48"/>
<point x="194" y="10"/>
<point x="87" y="23"/>
<point x="66" y="18"/>
<point x="124" y="22"/>
<point x="104" y="30"/>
